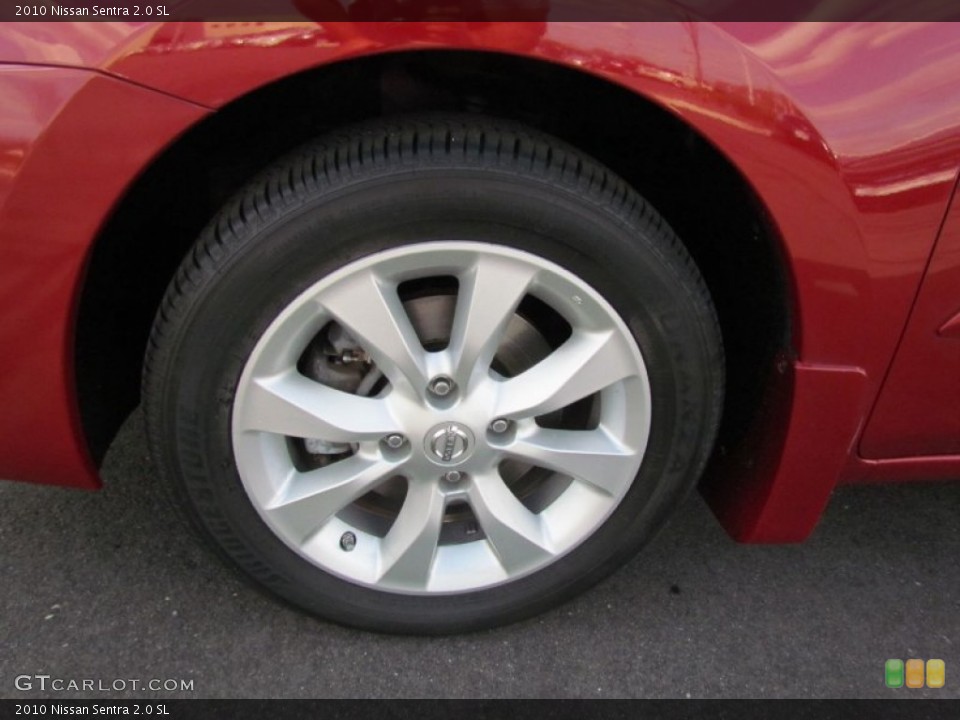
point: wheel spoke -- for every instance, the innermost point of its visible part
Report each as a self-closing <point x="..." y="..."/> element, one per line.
<point x="308" y="500"/>
<point x="372" y="313"/>
<point x="488" y="296"/>
<point x="586" y="363"/>
<point x="593" y="456"/>
<point x="517" y="536"/>
<point x="291" y="404"/>
<point x="408" y="550"/>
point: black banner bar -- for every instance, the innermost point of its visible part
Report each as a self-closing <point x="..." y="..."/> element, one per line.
<point x="486" y="709"/>
<point x="476" y="10"/>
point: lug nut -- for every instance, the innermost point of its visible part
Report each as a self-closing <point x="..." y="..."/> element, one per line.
<point x="394" y="441"/>
<point x="348" y="541"/>
<point x="453" y="476"/>
<point x="441" y="386"/>
<point x="500" y="425"/>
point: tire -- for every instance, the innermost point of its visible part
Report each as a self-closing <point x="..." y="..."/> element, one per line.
<point x="432" y="375"/>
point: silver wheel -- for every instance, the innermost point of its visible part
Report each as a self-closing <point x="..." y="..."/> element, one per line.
<point x="433" y="374"/>
<point x="441" y="417"/>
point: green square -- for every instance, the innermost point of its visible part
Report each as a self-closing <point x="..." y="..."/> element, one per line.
<point x="893" y="673"/>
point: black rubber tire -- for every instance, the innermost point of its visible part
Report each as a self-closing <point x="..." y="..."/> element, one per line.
<point x="383" y="184"/>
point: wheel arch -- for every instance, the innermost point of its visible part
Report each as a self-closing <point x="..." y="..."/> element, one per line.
<point x="697" y="188"/>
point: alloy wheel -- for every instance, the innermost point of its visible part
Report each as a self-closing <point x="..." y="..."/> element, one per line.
<point x="441" y="417"/>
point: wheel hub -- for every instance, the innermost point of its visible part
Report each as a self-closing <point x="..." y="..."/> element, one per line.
<point x="449" y="443"/>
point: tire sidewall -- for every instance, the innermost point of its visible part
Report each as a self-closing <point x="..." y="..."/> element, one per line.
<point x="322" y="229"/>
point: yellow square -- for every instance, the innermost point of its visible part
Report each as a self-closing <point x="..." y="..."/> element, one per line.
<point x="914" y="674"/>
<point x="936" y="673"/>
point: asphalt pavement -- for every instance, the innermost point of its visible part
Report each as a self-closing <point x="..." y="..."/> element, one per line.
<point x="108" y="586"/>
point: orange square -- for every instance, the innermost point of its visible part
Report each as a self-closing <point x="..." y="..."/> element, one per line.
<point x="936" y="670"/>
<point x="914" y="674"/>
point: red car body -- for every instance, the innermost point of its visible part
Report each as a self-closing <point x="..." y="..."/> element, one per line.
<point x="848" y="134"/>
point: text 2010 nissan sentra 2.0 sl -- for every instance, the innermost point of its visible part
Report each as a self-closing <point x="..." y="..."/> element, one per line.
<point x="434" y="324"/>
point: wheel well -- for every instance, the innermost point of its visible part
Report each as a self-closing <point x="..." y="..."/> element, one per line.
<point x="701" y="195"/>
